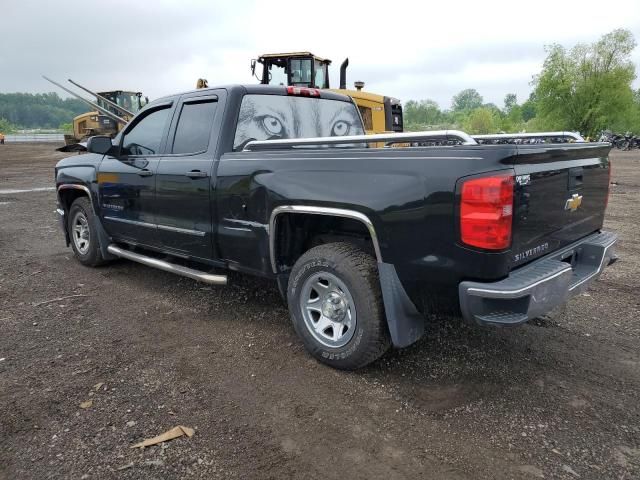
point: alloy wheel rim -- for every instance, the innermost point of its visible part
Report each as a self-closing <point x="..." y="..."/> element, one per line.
<point x="328" y="309"/>
<point x="80" y="232"/>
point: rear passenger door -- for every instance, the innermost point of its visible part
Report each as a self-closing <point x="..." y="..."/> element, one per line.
<point x="184" y="180"/>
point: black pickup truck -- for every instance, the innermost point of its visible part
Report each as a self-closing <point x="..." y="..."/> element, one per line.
<point x="280" y="182"/>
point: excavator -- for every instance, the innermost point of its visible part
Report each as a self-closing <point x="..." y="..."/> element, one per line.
<point x="112" y="110"/>
<point x="380" y="114"/>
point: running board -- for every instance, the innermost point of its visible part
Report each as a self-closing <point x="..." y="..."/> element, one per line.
<point x="168" y="267"/>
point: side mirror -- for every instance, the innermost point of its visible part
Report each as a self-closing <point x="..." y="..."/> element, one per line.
<point x="100" y="144"/>
<point x="253" y="67"/>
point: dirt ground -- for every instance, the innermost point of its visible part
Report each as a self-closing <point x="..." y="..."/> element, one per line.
<point x="556" y="398"/>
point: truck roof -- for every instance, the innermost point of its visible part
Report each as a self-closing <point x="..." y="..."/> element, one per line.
<point x="260" y="90"/>
<point x="294" y="54"/>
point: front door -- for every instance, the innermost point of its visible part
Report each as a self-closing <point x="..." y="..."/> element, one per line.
<point x="127" y="182"/>
<point x="184" y="179"/>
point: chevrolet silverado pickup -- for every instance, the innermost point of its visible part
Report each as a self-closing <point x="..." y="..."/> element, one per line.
<point x="363" y="242"/>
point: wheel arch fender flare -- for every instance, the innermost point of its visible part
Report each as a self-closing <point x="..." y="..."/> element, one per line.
<point x="406" y="324"/>
<point x="103" y="238"/>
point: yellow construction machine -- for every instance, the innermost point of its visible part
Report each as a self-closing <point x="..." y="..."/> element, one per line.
<point x="113" y="110"/>
<point x="380" y="113"/>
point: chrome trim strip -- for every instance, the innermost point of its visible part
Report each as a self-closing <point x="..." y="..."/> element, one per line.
<point x="238" y="229"/>
<point x="300" y="154"/>
<point x="247" y="223"/>
<point x="169" y="228"/>
<point x="168" y="267"/>
<point x="131" y="222"/>
<point x="520" y="290"/>
<point x="75" y="186"/>
<point x="156" y="226"/>
<point x="335" y="212"/>
<point x="388" y="138"/>
<point x="498" y="136"/>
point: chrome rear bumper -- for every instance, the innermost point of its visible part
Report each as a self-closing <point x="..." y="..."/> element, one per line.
<point x="538" y="287"/>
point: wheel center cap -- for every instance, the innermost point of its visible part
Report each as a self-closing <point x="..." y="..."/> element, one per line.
<point x="334" y="307"/>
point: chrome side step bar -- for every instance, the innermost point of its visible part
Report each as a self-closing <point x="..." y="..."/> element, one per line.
<point x="168" y="267"/>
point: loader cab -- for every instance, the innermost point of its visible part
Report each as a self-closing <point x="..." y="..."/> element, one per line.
<point x="131" y="101"/>
<point x="299" y="69"/>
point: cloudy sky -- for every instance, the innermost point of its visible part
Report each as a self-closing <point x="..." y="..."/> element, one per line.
<point x="406" y="49"/>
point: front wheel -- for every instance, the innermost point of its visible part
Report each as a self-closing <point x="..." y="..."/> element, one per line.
<point x="336" y="306"/>
<point x="84" y="239"/>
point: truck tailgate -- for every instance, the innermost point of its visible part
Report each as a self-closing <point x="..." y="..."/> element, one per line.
<point x="561" y="195"/>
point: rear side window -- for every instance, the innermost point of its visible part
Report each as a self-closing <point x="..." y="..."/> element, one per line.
<point x="146" y="135"/>
<point x="194" y="127"/>
<point x="268" y="117"/>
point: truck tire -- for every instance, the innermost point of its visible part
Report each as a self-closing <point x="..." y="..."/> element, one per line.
<point x="84" y="239"/>
<point x="336" y="306"/>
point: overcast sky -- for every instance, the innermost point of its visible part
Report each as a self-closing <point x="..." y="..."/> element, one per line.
<point x="406" y="49"/>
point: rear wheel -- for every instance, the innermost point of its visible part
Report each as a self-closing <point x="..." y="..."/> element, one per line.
<point x="336" y="305"/>
<point x="84" y="240"/>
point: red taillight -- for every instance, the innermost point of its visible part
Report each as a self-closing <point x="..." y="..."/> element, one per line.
<point x="486" y="212"/>
<point x="303" y="91"/>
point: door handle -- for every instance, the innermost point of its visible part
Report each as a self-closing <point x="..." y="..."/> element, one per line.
<point x="145" y="173"/>
<point x="196" y="174"/>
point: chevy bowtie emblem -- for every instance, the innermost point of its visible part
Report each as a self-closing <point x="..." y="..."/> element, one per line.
<point x="573" y="203"/>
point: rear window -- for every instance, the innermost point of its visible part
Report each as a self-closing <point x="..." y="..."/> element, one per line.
<point x="269" y="117"/>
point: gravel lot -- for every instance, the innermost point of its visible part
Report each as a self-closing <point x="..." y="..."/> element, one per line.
<point x="557" y="398"/>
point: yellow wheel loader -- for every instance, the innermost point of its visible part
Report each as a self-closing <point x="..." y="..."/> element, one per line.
<point x="113" y="110"/>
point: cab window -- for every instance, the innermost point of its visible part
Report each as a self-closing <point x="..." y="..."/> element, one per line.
<point x="319" y="80"/>
<point x="300" y="71"/>
<point x="145" y="136"/>
<point x="269" y="117"/>
<point x="367" y="117"/>
<point x="194" y="127"/>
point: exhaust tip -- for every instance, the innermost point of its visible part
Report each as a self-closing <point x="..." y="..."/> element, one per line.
<point x="343" y="74"/>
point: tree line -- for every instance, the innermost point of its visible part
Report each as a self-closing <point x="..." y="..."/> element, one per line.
<point x="586" y="89"/>
<point x="39" y="110"/>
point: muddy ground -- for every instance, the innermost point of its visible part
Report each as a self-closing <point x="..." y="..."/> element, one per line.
<point x="556" y="398"/>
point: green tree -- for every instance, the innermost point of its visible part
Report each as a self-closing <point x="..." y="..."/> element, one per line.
<point x="423" y="112"/>
<point x="5" y="126"/>
<point x="466" y="100"/>
<point x="528" y="109"/>
<point x="589" y="87"/>
<point x="481" y="120"/>
<point x="510" y="101"/>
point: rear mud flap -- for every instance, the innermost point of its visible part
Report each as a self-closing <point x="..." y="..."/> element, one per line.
<point x="406" y="324"/>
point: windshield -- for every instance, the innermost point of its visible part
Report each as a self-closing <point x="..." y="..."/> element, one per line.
<point x="268" y="117"/>
<point x="127" y="100"/>
<point x="301" y="71"/>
